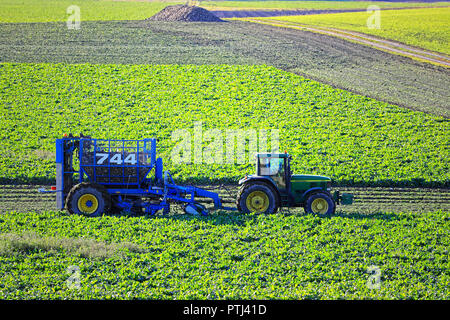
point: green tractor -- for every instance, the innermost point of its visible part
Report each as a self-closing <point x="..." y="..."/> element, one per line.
<point x="274" y="186"/>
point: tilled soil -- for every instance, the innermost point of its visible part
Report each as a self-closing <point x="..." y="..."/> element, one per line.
<point x="389" y="46"/>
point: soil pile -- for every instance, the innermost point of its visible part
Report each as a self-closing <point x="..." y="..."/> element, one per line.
<point x="184" y="13"/>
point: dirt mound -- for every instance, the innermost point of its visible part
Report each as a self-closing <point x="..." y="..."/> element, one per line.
<point x="184" y="13"/>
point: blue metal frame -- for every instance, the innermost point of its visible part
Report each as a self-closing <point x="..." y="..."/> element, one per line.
<point x="89" y="168"/>
<point x="98" y="143"/>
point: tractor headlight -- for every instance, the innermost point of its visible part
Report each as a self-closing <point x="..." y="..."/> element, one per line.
<point x="329" y="185"/>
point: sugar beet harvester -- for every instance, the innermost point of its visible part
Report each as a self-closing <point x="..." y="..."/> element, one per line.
<point x="95" y="176"/>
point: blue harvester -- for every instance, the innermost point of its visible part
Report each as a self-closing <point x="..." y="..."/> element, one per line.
<point x="95" y="176"/>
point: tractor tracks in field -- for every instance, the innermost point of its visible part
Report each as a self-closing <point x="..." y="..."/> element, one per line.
<point x="389" y="46"/>
<point x="25" y="198"/>
<point x="378" y="43"/>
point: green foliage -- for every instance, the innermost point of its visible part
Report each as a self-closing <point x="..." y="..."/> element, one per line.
<point x="351" y="138"/>
<point x="55" y="10"/>
<point x="232" y="256"/>
<point x="426" y="28"/>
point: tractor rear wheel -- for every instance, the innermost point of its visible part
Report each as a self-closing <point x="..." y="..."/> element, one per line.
<point x="320" y="203"/>
<point x="257" y="197"/>
<point x="88" y="199"/>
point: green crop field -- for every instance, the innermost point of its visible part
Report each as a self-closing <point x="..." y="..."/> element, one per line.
<point x="315" y="4"/>
<point x="385" y="139"/>
<point x="353" y="139"/>
<point x="225" y="256"/>
<point x="425" y="28"/>
<point x="56" y="10"/>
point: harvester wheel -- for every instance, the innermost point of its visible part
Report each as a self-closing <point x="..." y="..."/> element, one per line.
<point x="320" y="203"/>
<point x="257" y="197"/>
<point x="88" y="199"/>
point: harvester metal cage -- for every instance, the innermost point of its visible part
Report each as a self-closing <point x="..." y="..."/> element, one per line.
<point x="112" y="162"/>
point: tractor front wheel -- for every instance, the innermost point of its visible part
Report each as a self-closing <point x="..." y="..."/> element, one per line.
<point x="257" y="197"/>
<point x="320" y="203"/>
<point x="88" y="199"/>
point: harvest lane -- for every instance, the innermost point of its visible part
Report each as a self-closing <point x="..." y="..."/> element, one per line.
<point x="367" y="200"/>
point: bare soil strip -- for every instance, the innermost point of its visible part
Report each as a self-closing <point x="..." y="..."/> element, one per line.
<point x="227" y="14"/>
<point x="253" y="13"/>
<point x="367" y="200"/>
<point x="361" y="38"/>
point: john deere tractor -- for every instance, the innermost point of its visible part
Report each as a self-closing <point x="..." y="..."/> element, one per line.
<point x="274" y="186"/>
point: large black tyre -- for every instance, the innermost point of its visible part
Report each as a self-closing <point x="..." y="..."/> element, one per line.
<point x="88" y="199"/>
<point x="257" y="197"/>
<point x="320" y="203"/>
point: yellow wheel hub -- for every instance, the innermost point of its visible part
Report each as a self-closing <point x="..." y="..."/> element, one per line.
<point x="88" y="203"/>
<point x="319" y="205"/>
<point x="257" y="201"/>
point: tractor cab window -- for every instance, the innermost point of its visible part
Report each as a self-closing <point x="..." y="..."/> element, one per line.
<point x="273" y="167"/>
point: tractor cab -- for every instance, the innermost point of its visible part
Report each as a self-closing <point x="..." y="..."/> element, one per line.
<point x="276" y="166"/>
